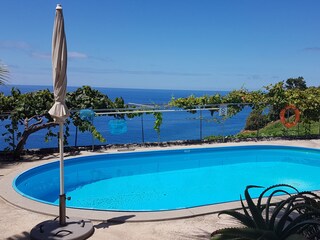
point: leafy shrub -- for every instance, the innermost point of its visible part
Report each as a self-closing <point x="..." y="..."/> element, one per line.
<point x="256" y="120"/>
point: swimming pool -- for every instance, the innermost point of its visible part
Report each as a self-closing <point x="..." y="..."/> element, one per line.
<point x="170" y="179"/>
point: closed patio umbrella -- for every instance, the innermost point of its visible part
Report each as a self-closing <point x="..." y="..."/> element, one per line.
<point x="59" y="110"/>
<point x="71" y="228"/>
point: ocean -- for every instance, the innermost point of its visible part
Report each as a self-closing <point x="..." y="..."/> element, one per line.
<point x="179" y="125"/>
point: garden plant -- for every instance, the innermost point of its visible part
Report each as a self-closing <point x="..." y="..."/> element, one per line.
<point x="292" y="216"/>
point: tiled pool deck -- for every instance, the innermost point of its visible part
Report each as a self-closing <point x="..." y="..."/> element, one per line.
<point x="18" y="214"/>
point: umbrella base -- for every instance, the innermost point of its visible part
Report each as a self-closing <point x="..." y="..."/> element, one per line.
<point x="75" y="229"/>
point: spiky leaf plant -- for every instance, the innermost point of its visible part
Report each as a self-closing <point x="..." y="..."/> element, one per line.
<point x="286" y="219"/>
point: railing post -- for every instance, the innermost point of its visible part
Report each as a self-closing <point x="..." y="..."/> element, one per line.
<point x="76" y="137"/>
<point x="200" y="123"/>
<point x="92" y="138"/>
<point x="13" y="139"/>
<point x="142" y="128"/>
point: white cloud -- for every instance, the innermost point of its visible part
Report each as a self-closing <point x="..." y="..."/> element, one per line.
<point x="71" y="55"/>
<point x="41" y="55"/>
<point x="312" y="49"/>
<point x="140" y="72"/>
<point x="14" y="45"/>
<point x="77" y="55"/>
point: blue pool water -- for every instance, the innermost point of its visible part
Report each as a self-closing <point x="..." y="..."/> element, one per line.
<point x="171" y="179"/>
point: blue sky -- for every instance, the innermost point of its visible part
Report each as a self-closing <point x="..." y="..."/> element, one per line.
<point x="166" y="44"/>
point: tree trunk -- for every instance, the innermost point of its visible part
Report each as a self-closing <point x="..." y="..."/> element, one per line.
<point x="26" y="134"/>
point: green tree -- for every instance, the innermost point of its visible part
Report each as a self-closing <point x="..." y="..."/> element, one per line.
<point x="31" y="111"/>
<point x="296" y="83"/>
<point x="274" y="97"/>
<point x="256" y="120"/>
<point x="28" y="110"/>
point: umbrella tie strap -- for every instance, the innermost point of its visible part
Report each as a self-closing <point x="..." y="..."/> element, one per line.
<point x="64" y="231"/>
<point x="56" y="218"/>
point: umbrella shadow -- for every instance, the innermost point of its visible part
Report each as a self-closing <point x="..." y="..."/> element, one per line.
<point x="113" y="221"/>
<point x="22" y="236"/>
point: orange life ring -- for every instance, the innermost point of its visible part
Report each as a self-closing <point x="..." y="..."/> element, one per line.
<point x="296" y="114"/>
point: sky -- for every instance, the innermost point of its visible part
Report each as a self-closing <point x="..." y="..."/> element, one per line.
<point x="165" y="44"/>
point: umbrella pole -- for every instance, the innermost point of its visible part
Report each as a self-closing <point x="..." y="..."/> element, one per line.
<point x="62" y="197"/>
<point x="72" y="228"/>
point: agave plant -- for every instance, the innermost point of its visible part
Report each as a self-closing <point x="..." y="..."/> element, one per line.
<point x="294" y="218"/>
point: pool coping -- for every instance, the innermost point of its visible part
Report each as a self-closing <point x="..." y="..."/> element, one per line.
<point x="8" y="193"/>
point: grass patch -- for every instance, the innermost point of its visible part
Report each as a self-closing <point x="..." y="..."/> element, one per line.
<point x="276" y="129"/>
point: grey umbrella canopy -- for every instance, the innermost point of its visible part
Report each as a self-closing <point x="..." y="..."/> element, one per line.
<point x="65" y="228"/>
<point x="59" y="110"/>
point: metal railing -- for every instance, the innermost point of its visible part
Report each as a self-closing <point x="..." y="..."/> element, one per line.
<point x="206" y="122"/>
